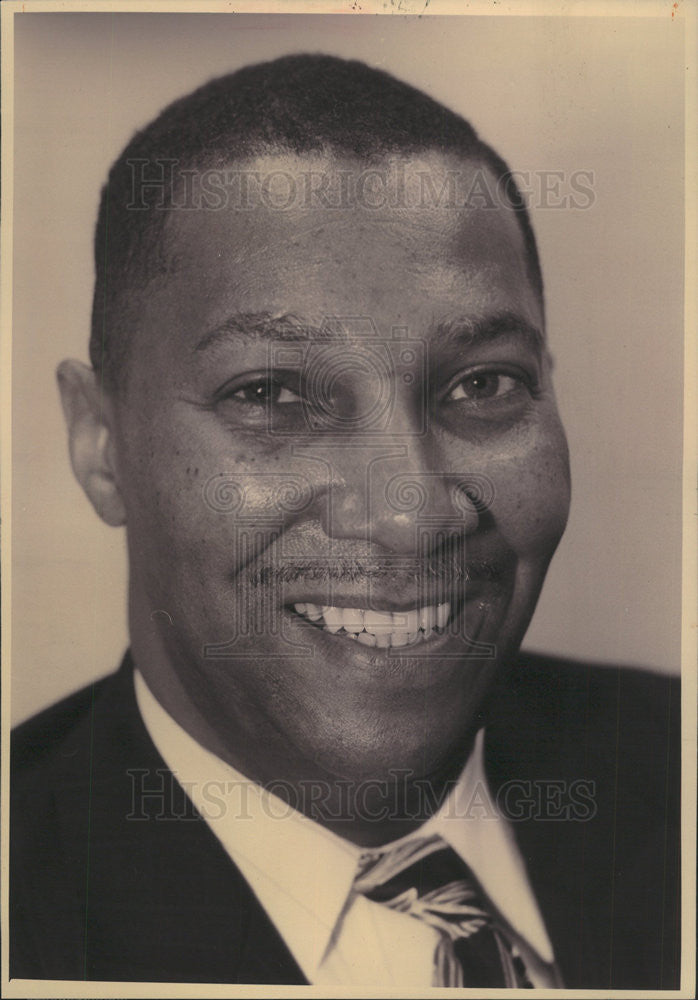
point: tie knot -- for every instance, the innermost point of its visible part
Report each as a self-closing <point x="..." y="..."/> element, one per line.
<point x="425" y="878"/>
<point x="377" y="868"/>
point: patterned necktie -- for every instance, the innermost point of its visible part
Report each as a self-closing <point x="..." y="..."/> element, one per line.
<point x="426" y="879"/>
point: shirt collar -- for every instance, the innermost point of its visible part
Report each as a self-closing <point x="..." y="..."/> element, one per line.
<point x="470" y="821"/>
<point x="260" y="832"/>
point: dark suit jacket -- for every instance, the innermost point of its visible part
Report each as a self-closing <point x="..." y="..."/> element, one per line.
<point x="108" y="885"/>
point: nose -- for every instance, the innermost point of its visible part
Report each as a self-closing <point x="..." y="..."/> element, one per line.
<point x="398" y="495"/>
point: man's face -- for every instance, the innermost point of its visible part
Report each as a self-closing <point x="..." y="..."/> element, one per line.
<point x="337" y="408"/>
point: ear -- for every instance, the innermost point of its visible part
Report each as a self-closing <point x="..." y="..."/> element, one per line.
<point x="88" y="416"/>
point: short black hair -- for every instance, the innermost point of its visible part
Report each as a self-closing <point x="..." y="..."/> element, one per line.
<point x="301" y="104"/>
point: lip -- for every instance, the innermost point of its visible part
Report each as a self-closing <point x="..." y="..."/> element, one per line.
<point x="384" y="599"/>
<point x="387" y="582"/>
<point x="397" y="669"/>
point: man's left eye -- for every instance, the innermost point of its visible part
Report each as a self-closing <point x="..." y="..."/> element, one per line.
<point x="484" y="385"/>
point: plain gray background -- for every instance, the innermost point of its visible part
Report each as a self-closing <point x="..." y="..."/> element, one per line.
<point x="550" y="94"/>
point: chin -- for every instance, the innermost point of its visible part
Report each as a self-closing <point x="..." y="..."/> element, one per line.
<point x="424" y="733"/>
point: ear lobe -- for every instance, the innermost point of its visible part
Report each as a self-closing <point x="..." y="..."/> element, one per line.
<point x="86" y="409"/>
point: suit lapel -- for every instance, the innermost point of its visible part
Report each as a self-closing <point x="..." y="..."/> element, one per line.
<point x="534" y="747"/>
<point x="605" y="876"/>
<point x="162" y="900"/>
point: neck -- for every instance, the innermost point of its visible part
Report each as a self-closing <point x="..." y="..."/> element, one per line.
<point x="374" y="811"/>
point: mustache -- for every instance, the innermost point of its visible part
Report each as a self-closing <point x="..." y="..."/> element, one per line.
<point x="444" y="570"/>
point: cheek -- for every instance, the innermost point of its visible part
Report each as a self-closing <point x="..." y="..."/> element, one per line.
<point x="532" y="495"/>
<point x="197" y="497"/>
<point x="164" y="475"/>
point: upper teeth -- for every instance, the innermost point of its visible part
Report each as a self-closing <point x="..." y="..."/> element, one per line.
<point x="379" y="628"/>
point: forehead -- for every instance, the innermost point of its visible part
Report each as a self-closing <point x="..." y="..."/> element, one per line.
<point x="403" y="239"/>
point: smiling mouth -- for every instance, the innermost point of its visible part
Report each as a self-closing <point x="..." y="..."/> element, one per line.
<point x="383" y="629"/>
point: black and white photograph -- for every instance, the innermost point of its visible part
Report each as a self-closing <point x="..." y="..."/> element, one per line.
<point x="349" y="506"/>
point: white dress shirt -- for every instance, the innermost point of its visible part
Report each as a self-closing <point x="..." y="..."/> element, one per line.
<point x="302" y="873"/>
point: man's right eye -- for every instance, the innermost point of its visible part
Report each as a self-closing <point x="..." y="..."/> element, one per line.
<point x="263" y="392"/>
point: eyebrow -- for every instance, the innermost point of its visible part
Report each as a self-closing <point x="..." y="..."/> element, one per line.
<point x="259" y="326"/>
<point x="463" y="331"/>
<point x="460" y="331"/>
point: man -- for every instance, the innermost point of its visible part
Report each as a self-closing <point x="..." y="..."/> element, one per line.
<point x="321" y="404"/>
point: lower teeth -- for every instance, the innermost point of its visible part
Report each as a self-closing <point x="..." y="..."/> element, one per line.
<point x="387" y="639"/>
